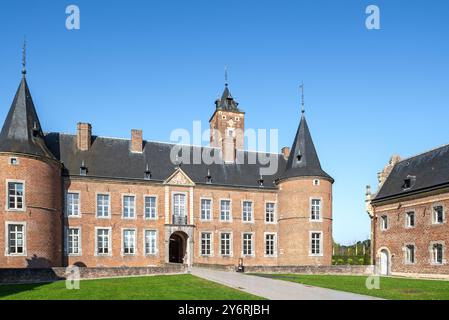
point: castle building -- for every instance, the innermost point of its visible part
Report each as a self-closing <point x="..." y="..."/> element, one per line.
<point x="93" y="201"/>
<point x="409" y="222"/>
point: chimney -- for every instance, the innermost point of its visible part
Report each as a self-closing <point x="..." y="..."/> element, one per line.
<point x="286" y="152"/>
<point x="84" y="136"/>
<point x="136" y="141"/>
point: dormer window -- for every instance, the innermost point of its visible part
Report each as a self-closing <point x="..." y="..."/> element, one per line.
<point x="409" y="182"/>
<point x="299" y="157"/>
<point x="208" y="177"/>
<point x="147" y="173"/>
<point x="35" y="129"/>
<point x="83" y="169"/>
<point x="261" y="181"/>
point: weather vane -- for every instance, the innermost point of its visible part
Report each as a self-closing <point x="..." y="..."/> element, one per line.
<point x="226" y="75"/>
<point x="24" y="56"/>
<point x="303" y="110"/>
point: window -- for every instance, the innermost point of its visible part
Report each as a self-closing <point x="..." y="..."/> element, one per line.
<point x="231" y="132"/>
<point x="150" y="208"/>
<point x="437" y="253"/>
<point x="316" y="182"/>
<point x="103" y="241"/>
<point x="102" y="205"/>
<point x="150" y="242"/>
<point x="129" y="241"/>
<point x="247" y="244"/>
<point x="410" y="254"/>
<point x="438" y="214"/>
<point x="129" y="207"/>
<point x="16" y="239"/>
<point x="410" y="217"/>
<point x="73" y="204"/>
<point x="73" y="241"/>
<point x="247" y="214"/>
<point x="206" y="243"/>
<point x="225" y="244"/>
<point x="270" y="244"/>
<point x="384" y="223"/>
<point x="225" y="210"/>
<point x="15" y="195"/>
<point x="206" y="210"/>
<point x="179" y="204"/>
<point x="315" y="244"/>
<point x="315" y="209"/>
<point x="13" y="161"/>
<point x="269" y="212"/>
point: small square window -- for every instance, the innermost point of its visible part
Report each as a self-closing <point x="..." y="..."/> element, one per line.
<point x="316" y="182"/>
<point x="14" y="161"/>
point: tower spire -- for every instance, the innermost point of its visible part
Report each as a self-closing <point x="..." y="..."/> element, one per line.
<point x="24" y="57"/>
<point x="303" y="109"/>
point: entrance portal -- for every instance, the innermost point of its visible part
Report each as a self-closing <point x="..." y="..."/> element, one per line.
<point x="177" y="247"/>
<point x="384" y="263"/>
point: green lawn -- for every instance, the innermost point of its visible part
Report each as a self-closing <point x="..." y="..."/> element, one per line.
<point x="390" y="288"/>
<point x="168" y="287"/>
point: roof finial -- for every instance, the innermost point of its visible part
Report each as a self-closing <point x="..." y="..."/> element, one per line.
<point x="24" y="56"/>
<point x="226" y="76"/>
<point x="303" y="110"/>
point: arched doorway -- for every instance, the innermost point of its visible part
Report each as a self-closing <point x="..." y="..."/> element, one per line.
<point x="384" y="262"/>
<point x="177" y="247"/>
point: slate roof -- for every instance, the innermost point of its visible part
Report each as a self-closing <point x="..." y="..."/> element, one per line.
<point x="425" y="171"/>
<point x="22" y="132"/>
<point x="111" y="158"/>
<point x="303" y="160"/>
<point x="227" y="101"/>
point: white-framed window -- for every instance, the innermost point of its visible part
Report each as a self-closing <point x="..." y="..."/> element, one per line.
<point x="74" y="241"/>
<point x="103" y="205"/>
<point x="438" y="214"/>
<point x="179" y="204"/>
<point x="129" y="242"/>
<point x="206" y="243"/>
<point x="150" y="207"/>
<point x="316" y="243"/>
<point x="103" y="241"/>
<point x="315" y="209"/>
<point x="437" y="253"/>
<point x="247" y="211"/>
<point x="270" y="212"/>
<point x="384" y="222"/>
<point x="150" y="238"/>
<point x="410" y="219"/>
<point x="409" y="254"/>
<point x="316" y="182"/>
<point x="73" y="204"/>
<point x="270" y="244"/>
<point x="129" y="206"/>
<point x="225" y="210"/>
<point x="16" y="195"/>
<point x="206" y="209"/>
<point x="15" y="239"/>
<point x="247" y="244"/>
<point x="226" y="244"/>
<point x="13" y="161"/>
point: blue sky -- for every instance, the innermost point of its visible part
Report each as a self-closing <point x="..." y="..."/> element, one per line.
<point x="158" y="65"/>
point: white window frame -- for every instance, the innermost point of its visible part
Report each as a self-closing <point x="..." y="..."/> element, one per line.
<point x="156" y="249"/>
<point x="230" y="210"/>
<point x="24" y="225"/>
<point x="384" y="223"/>
<point x="109" y="205"/>
<point x="15" y="159"/>
<point x="316" y="182"/>
<point x="211" y="202"/>
<point x="275" y="244"/>
<point x="184" y="194"/>
<point x="274" y="212"/>
<point x="109" y="254"/>
<point x="434" y="215"/>
<point x="66" y="236"/>
<point x="211" y="233"/>
<point x="123" y="206"/>
<point x="7" y="208"/>
<point x="320" y="209"/>
<point x="252" y="211"/>
<point x="311" y="233"/>
<point x="123" y="242"/>
<point x="432" y="253"/>
<point x="407" y="255"/>
<point x="156" y="206"/>
<point x="231" y="241"/>
<point x="253" y="244"/>
<point x="407" y="219"/>
<point x="66" y="208"/>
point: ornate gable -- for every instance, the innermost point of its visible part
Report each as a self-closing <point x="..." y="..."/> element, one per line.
<point x="179" y="178"/>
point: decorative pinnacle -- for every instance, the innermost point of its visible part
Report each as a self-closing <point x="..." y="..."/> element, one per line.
<point x="24" y="57"/>
<point x="303" y="110"/>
